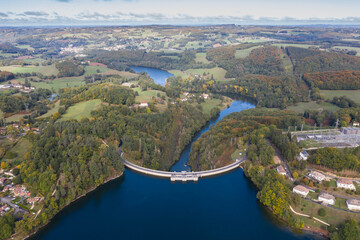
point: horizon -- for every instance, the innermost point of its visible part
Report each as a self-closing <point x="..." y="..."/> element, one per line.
<point x="176" y="12"/>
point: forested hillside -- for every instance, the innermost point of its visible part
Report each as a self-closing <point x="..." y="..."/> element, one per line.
<point x="220" y="141"/>
<point x="334" y="80"/>
<point x="311" y="60"/>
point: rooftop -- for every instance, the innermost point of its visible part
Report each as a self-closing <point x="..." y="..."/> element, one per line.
<point x="354" y="202"/>
<point x="345" y="181"/>
<point x="301" y="189"/>
<point x="327" y="196"/>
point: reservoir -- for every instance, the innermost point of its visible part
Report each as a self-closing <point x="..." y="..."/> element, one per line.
<point x="158" y="75"/>
<point x="137" y="207"/>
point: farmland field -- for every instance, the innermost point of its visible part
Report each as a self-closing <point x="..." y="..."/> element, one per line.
<point x="81" y="110"/>
<point x="45" y="70"/>
<point x="351" y="94"/>
<point x="243" y="53"/>
<point x="201" y="57"/>
<point x="301" y="107"/>
<point x="219" y="73"/>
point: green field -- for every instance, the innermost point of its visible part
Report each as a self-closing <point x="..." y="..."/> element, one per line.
<point x="301" y="107"/>
<point x="91" y="70"/>
<point x="45" y="70"/>
<point x="201" y="57"/>
<point x="351" y="94"/>
<point x="243" y="53"/>
<point x="219" y="73"/>
<point x="81" y="110"/>
<point x="21" y="148"/>
<point x="16" y="117"/>
<point x="57" y="83"/>
<point x="333" y="216"/>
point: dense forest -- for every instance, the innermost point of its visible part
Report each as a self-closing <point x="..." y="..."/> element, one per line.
<point x="337" y="159"/>
<point x="313" y="61"/>
<point x="69" y="69"/>
<point x="122" y="59"/>
<point x="25" y="101"/>
<point x="334" y="80"/>
<point x="106" y="92"/>
<point x="214" y="148"/>
<point x="5" y="76"/>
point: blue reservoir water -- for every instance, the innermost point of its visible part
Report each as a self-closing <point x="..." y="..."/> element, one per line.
<point x="138" y="207"/>
<point x="236" y="106"/>
<point x="158" y="75"/>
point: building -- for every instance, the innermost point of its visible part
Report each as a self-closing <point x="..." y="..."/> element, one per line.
<point x="303" y="191"/>
<point x="280" y="169"/>
<point x="317" y="176"/>
<point x="32" y="200"/>
<point x="345" y="183"/>
<point x="353" y="204"/>
<point x="303" y="155"/>
<point x="205" y="96"/>
<point x="327" y="198"/>
<point x="356" y="124"/>
<point x="143" y="104"/>
<point x="2" y="181"/>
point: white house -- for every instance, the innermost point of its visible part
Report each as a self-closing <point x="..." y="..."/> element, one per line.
<point x="356" y="124"/>
<point x="353" y="204"/>
<point x="345" y="183"/>
<point x="327" y="198"/>
<point x="303" y="155"/>
<point x="303" y="191"/>
<point x="143" y="104"/>
<point x="280" y="169"/>
<point x="317" y="176"/>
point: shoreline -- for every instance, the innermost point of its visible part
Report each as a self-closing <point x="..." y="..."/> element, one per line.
<point x="70" y="203"/>
<point x="306" y="228"/>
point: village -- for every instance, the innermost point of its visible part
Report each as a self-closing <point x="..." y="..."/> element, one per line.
<point x="21" y="87"/>
<point x="14" y="197"/>
<point x="324" y="188"/>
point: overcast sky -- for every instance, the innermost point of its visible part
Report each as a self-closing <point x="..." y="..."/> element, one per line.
<point x="127" y="12"/>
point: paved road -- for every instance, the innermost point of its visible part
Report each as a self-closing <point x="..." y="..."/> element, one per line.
<point x="158" y="173"/>
<point x="7" y="200"/>
<point x="282" y="159"/>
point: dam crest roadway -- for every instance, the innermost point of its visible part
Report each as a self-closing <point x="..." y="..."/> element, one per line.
<point x="184" y="176"/>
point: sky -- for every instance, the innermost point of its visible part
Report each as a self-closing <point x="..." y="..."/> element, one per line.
<point x="180" y="12"/>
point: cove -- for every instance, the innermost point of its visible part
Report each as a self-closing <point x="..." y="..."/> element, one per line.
<point x="137" y="207"/>
<point x="158" y="75"/>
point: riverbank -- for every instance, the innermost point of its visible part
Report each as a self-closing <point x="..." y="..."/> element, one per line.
<point x="319" y="232"/>
<point x="42" y="227"/>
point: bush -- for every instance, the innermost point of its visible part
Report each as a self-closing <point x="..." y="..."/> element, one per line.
<point x="322" y="212"/>
<point x="317" y="190"/>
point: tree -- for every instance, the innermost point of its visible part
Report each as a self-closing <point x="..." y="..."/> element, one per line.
<point x="347" y="231"/>
<point x="12" y="131"/>
<point x="322" y="212"/>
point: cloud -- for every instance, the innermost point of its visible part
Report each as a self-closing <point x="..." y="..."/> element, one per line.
<point x="35" y="13"/>
<point x="131" y="18"/>
<point x="65" y="1"/>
